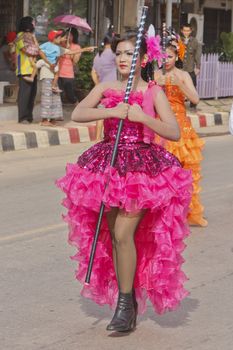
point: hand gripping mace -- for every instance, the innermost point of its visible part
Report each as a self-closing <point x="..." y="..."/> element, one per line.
<point x="120" y="126"/>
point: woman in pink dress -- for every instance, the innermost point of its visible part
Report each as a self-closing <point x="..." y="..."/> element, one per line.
<point x="146" y="197"/>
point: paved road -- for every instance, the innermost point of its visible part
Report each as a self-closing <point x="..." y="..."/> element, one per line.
<point x="40" y="303"/>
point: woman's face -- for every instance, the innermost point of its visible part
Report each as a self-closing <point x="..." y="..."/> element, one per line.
<point x="60" y="40"/>
<point x="171" y="59"/>
<point x="124" y="55"/>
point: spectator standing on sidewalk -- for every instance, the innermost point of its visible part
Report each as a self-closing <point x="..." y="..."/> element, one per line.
<point x="192" y="57"/>
<point x="67" y="64"/>
<point x="51" y="107"/>
<point x="27" y="91"/>
<point x="104" y="69"/>
<point x="24" y="68"/>
<point x="50" y="103"/>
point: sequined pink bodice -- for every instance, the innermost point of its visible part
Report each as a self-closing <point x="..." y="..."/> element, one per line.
<point x="135" y="152"/>
<point x="131" y="132"/>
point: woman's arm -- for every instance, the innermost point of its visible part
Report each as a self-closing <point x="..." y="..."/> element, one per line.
<point x="187" y="87"/>
<point x="87" y="110"/>
<point x="79" y="51"/>
<point x="76" y="58"/>
<point x="94" y="76"/>
<point x="165" y="126"/>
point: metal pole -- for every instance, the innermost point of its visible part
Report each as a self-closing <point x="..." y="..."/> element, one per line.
<point x="169" y="13"/>
<point x="164" y="33"/>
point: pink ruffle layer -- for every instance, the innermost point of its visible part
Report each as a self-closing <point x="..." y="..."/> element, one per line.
<point x="159" y="237"/>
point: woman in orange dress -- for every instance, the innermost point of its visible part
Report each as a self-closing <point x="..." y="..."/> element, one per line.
<point x="178" y="85"/>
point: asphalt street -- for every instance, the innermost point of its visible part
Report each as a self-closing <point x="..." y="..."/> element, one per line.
<point x="40" y="303"/>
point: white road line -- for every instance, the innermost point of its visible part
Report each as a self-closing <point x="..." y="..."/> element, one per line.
<point x="32" y="232"/>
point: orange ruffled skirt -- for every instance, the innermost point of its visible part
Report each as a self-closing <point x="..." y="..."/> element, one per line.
<point x="189" y="152"/>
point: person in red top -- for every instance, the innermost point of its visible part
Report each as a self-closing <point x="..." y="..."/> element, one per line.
<point x="66" y="68"/>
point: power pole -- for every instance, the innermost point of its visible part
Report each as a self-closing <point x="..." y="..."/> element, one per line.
<point x="70" y="7"/>
<point x="157" y="15"/>
<point x="169" y="13"/>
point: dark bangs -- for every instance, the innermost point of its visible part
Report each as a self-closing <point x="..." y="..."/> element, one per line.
<point x="130" y="35"/>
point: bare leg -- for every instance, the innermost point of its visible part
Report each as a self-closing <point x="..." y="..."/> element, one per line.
<point x="125" y="227"/>
<point x="111" y="218"/>
<point x="55" y="87"/>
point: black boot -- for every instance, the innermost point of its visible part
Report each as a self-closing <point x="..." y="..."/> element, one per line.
<point x="135" y="302"/>
<point x="124" y="319"/>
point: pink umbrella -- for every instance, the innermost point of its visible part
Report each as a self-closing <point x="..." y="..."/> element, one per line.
<point x="73" y="21"/>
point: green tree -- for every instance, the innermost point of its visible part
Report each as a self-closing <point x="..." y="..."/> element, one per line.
<point x="58" y="7"/>
<point x="227" y="43"/>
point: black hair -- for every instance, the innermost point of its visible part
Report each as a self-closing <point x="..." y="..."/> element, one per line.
<point x="107" y="40"/>
<point x="147" y="72"/>
<point x="75" y="34"/>
<point x="129" y="35"/>
<point x="64" y="33"/>
<point x="188" y="25"/>
<point x="25" y="24"/>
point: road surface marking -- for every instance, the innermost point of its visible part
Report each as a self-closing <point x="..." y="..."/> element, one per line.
<point x="32" y="232"/>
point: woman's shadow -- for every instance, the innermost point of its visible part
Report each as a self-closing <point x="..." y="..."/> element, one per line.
<point x="173" y="319"/>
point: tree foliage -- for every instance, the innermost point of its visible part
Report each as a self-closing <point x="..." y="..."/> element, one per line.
<point x="227" y="44"/>
<point x="58" y="7"/>
<point x="83" y="76"/>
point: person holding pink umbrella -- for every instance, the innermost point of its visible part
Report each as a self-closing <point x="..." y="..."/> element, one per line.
<point x="67" y="64"/>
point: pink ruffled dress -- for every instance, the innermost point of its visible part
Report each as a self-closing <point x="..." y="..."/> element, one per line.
<point x="145" y="176"/>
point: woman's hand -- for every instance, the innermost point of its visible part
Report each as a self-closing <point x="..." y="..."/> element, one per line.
<point x="120" y="111"/>
<point x="136" y="114"/>
<point x="89" y="49"/>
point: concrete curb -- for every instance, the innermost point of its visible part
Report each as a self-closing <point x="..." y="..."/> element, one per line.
<point x="201" y="119"/>
<point x="14" y="140"/>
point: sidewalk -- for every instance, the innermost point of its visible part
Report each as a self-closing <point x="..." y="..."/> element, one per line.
<point x="211" y="118"/>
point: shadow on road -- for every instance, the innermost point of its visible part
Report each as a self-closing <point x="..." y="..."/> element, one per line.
<point x="175" y="318"/>
<point x="172" y="319"/>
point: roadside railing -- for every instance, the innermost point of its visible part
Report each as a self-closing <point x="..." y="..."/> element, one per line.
<point x="216" y="78"/>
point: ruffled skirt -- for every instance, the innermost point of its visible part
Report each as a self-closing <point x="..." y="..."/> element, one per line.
<point x="159" y="237"/>
<point x="189" y="152"/>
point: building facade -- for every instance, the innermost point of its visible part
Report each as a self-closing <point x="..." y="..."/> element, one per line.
<point x="208" y="17"/>
<point x="10" y="12"/>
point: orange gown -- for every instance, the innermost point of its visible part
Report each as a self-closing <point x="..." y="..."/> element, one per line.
<point x="188" y="150"/>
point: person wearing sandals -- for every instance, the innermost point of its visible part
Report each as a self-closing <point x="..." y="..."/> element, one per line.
<point x="51" y="107"/>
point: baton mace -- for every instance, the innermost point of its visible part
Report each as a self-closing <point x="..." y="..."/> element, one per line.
<point x="120" y="126"/>
<point x="164" y="34"/>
